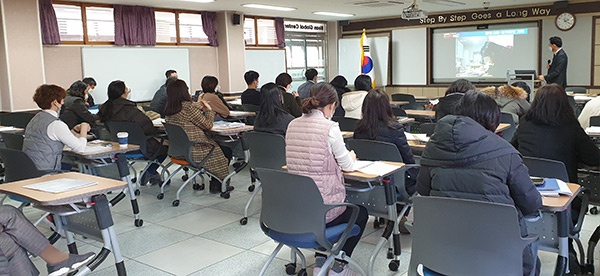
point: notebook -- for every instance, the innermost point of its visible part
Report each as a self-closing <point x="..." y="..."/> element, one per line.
<point x="420" y="137"/>
<point x="373" y="167"/>
<point x="554" y="187"/>
<point x="226" y="125"/>
<point x="60" y="185"/>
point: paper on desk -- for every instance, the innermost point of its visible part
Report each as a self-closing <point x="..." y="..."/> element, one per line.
<point x="227" y="125"/>
<point x="563" y="188"/>
<point x="592" y="130"/>
<point x="60" y="185"/>
<point x="373" y="167"/>
<point x="7" y="128"/>
<point x="421" y="137"/>
<point x="434" y="102"/>
<point x="158" y="121"/>
<point x="582" y="98"/>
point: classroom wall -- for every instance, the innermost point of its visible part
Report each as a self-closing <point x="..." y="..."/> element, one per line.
<point x="4" y="79"/>
<point x="22" y="54"/>
<point x="333" y="34"/>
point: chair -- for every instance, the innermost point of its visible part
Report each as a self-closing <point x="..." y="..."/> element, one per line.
<point x="576" y="90"/>
<point x="574" y="105"/>
<point x="16" y="119"/>
<point x="508" y="118"/>
<point x="13" y="140"/>
<point x="485" y="237"/>
<point x="595" y="121"/>
<point x="427" y="128"/>
<point x="180" y="152"/>
<point x="250" y="107"/>
<point x="412" y="102"/>
<point x="346" y="124"/>
<point x="267" y="151"/>
<point x="547" y="168"/>
<point x="136" y="137"/>
<point x="293" y="214"/>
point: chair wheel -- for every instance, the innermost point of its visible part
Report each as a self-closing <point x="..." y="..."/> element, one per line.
<point x="138" y="222"/>
<point x="594" y="210"/>
<point x="225" y="195"/>
<point x="185" y="177"/>
<point x="137" y="192"/>
<point x="198" y="187"/>
<point x="176" y="203"/>
<point x="290" y="269"/>
<point x="244" y="221"/>
<point x="133" y="180"/>
<point x="251" y="188"/>
<point x="394" y="265"/>
<point x="160" y="196"/>
<point x="302" y="272"/>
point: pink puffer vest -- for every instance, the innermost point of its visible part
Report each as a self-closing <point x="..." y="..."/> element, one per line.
<point x="308" y="153"/>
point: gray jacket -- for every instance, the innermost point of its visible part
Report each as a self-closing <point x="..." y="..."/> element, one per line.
<point x="159" y="101"/>
<point x="45" y="153"/>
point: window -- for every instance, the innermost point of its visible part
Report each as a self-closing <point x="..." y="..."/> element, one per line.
<point x="70" y="23"/>
<point x="259" y="32"/>
<point x="190" y="29"/>
<point x="249" y="31"/>
<point x="100" y="24"/>
<point x="166" y="29"/>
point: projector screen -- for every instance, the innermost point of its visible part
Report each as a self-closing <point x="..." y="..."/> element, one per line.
<point x="484" y="55"/>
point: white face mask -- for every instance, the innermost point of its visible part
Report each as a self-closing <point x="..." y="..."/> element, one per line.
<point x="550" y="48"/>
<point x="86" y="97"/>
<point x="218" y="88"/>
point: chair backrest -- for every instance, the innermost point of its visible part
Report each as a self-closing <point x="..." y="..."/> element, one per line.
<point x="573" y="104"/>
<point x="404" y="98"/>
<point x="16" y="119"/>
<point x="465" y="237"/>
<point x="346" y="124"/>
<point x="18" y="166"/>
<point x="292" y="204"/>
<point x="250" y="107"/>
<point x="547" y="168"/>
<point x="13" y="140"/>
<point x="595" y="121"/>
<point x="180" y="145"/>
<point x="267" y="150"/>
<point x="399" y="111"/>
<point x="136" y="133"/>
<point x="508" y="118"/>
<point x="427" y="128"/>
<point x="576" y="90"/>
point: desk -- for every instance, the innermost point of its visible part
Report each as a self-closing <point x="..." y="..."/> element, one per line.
<point x="10" y="129"/>
<point x="74" y="204"/>
<point x="421" y="114"/>
<point x="96" y="158"/>
<point x="399" y="103"/>
<point x="237" y="102"/>
<point x="555" y="223"/>
<point x="240" y="114"/>
<point x="231" y="98"/>
<point x="502" y="127"/>
<point x="234" y="93"/>
<point x="405" y="120"/>
<point x="372" y="198"/>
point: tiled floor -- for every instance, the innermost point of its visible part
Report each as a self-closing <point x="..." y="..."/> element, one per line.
<point x="203" y="236"/>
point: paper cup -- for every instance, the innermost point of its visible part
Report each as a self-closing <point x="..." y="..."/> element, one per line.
<point x="123" y="137"/>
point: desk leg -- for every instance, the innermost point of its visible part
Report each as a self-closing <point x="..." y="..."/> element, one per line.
<point x="124" y="174"/>
<point x="562" y="261"/>
<point x="106" y="225"/>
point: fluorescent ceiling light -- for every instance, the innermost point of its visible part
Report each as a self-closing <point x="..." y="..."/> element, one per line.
<point x="334" y="14"/>
<point x="268" y="7"/>
<point x="199" y="1"/>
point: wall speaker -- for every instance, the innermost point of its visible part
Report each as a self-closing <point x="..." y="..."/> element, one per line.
<point x="560" y="5"/>
<point x="344" y="23"/>
<point x="237" y="19"/>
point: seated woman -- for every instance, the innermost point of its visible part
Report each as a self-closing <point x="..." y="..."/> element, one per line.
<point x="340" y="82"/>
<point x="46" y="135"/>
<point x="352" y="101"/>
<point x="271" y="117"/>
<point x="453" y="94"/>
<point x="18" y="237"/>
<point x="119" y="109"/>
<point x="486" y="167"/>
<point x="195" y="118"/>
<point x="291" y="101"/>
<point x="315" y="148"/>
<point x="211" y="95"/>
<point x="379" y="123"/>
<point x="75" y="111"/>
<point x="510" y="99"/>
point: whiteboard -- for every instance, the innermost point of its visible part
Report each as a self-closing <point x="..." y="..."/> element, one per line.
<point x="268" y="64"/>
<point x="142" y="69"/>
<point x="409" y="56"/>
<point x="349" y="58"/>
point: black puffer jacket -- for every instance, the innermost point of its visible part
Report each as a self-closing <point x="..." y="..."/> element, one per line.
<point x="75" y="112"/>
<point x="464" y="160"/>
<point x="447" y="105"/>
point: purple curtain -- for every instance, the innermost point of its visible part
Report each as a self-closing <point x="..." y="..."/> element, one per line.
<point x="280" y="32"/>
<point x="209" y="25"/>
<point x="134" y="25"/>
<point x="48" y="23"/>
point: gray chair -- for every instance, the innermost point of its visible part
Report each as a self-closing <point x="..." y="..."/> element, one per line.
<point x="13" y="140"/>
<point x="293" y="214"/>
<point x="547" y="168"/>
<point x="508" y="118"/>
<point x="16" y="119"/>
<point x="479" y="238"/>
<point x="267" y="151"/>
<point x="346" y="124"/>
<point x="595" y="121"/>
<point x="427" y="128"/>
<point x="576" y="90"/>
<point x="412" y="102"/>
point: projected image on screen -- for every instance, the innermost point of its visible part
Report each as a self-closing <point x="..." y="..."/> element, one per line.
<point x="483" y="55"/>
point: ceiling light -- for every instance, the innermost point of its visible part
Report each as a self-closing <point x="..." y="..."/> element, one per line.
<point x="334" y="14"/>
<point x="267" y="7"/>
<point x="199" y="1"/>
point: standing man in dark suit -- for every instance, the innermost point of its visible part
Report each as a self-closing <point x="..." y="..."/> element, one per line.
<point x="557" y="68"/>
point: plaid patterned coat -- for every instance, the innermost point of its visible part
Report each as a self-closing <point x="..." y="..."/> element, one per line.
<point x="195" y="121"/>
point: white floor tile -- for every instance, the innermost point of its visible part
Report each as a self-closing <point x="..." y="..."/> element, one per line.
<point x="200" y="221"/>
